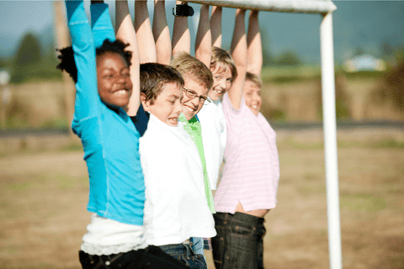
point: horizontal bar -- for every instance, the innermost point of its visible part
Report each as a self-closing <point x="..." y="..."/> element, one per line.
<point x="291" y="6"/>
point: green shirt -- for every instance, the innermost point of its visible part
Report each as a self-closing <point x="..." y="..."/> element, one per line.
<point x="194" y="129"/>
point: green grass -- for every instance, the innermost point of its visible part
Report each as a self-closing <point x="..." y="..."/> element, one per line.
<point x="291" y="71"/>
<point x="21" y="187"/>
<point x="312" y="189"/>
<point x="73" y="147"/>
<point x="18" y="122"/>
<point x="362" y="202"/>
<point x="56" y="123"/>
<point x="15" y="123"/>
<point x="289" y="74"/>
<point x="384" y="143"/>
<point x="65" y="182"/>
<point x="365" y="74"/>
<point x="389" y="143"/>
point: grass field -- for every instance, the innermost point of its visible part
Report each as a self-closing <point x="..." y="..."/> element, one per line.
<point x="43" y="196"/>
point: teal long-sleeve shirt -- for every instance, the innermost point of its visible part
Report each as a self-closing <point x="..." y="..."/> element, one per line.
<point x="110" y="140"/>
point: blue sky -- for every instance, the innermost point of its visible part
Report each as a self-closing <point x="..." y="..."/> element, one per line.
<point x="356" y="23"/>
<point x="20" y="16"/>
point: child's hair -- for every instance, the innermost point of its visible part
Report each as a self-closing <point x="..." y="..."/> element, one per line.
<point x="154" y="76"/>
<point x="68" y="64"/>
<point x="254" y="79"/>
<point x="188" y="65"/>
<point x="222" y="59"/>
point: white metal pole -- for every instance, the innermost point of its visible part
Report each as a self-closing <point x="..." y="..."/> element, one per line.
<point x="295" y="6"/>
<point x="330" y="141"/>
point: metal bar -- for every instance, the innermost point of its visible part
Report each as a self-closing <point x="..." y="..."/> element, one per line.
<point x="330" y="141"/>
<point x="294" y="6"/>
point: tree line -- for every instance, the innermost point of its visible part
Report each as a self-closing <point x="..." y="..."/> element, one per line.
<point x="31" y="61"/>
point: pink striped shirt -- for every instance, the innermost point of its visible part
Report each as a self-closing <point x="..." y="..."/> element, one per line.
<point x="251" y="170"/>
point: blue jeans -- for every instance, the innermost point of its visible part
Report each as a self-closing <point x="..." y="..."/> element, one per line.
<point x="186" y="254"/>
<point x="239" y="241"/>
<point x="198" y="246"/>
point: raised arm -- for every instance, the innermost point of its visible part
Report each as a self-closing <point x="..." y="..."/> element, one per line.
<point x="84" y="57"/>
<point x="126" y="33"/>
<point x="147" y="47"/>
<point x="161" y="33"/>
<point x="254" y="46"/>
<point x="181" y="37"/>
<point x="101" y="24"/>
<point x="239" y="53"/>
<point x="203" y="42"/>
<point x="216" y="26"/>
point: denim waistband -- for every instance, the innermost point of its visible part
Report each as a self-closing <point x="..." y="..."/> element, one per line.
<point x="239" y="217"/>
<point x="179" y="246"/>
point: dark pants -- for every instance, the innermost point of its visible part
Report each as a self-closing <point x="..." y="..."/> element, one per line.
<point x="186" y="254"/>
<point x="239" y="241"/>
<point x="151" y="257"/>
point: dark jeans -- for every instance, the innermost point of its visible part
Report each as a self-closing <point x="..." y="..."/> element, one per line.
<point x="239" y="241"/>
<point x="151" y="257"/>
<point x="185" y="253"/>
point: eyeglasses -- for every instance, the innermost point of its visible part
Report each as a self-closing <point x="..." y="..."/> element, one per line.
<point x="191" y="94"/>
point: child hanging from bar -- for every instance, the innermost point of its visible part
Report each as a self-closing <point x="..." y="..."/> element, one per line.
<point x="197" y="77"/>
<point x="99" y="65"/>
<point x="248" y="188"/>
<point x="164" y="145"/>
<point x="224" y="72"/>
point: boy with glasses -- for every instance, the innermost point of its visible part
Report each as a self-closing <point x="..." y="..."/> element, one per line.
<point x="176" y="207"/>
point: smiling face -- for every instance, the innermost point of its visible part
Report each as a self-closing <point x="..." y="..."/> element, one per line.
<point x="252" y="96"/>
<point x="167" y="105"/>
<point x="113" y="80"/>
<point x="222" y="79"/>
<point x="191" y="106"/>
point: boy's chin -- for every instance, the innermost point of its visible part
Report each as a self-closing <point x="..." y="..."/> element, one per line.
<point x="215" y="96"/>
<point x="187" y="115"/>
<point x="255" y="111"/>
<point x="172" y="122"/>
<point x="169" y="122"/>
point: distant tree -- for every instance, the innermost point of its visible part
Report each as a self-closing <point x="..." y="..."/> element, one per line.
<point x="388" y="54"/>
<point x="289" y="58"/>
<point x="386" y="49"/>
<point x="27" y="59"/>
<point x="48" y="65"/>
<point x="3" y="63"/>
<point x="359" y="51"/>
<point x="29" y="51"/>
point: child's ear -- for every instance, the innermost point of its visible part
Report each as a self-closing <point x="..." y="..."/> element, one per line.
<point x="142" y="97"/>
<point x="145" y="104"/>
